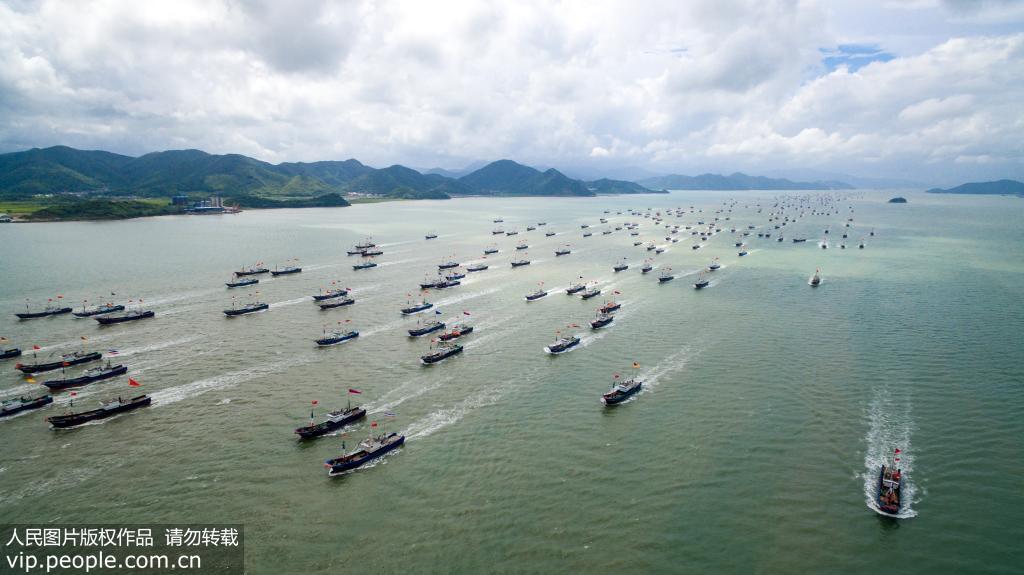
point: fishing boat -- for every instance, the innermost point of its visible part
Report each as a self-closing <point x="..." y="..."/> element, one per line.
<point x="355" y="251"/>
<point x="456" y="332"/>
<point x="562" y="251"/>
<point x="336" y="337"/>
<point x="635" y="244"/>
<point x="587" y="234"/>
<point x="714" y="265"/>
<point x="9" y="353"/>
<point x="447" y="283"/>
<point x="332" y="293"/>
<point x="523" y="246"/>
<point x="622" y="391"/>
<point x="498" y="221"/>
<point x="251" y="307"/>
<point x="512" y="233"/>
<point x="49" y="310"/>
<point x="647" y="267"/>
<point x="659" y="250"/>
<point x="252" y="271"/>
<point x="372" y="252"/>
<point x="477" y="268"/>
<point x="536" y="295"/>
<point x="285" y="271"/>
<point x="431" y="236"/>
<point x="66" y="360"/>
<point x="589" y="293"/>
<point x="332" y="420"/>
<point x="425" y="328"/>
<point x="890" y="486"/>
<point x="91" y="375"/>
<point x="606" y="232"/>
<point x="702" y="281"/>
<point x="331" y="304"/>
<point x="861" y="244"/>
<point x="601" y="320"/>
<point x="107" y="409"/>
<point x="666" y="275"/>
<point x="743" y="253"/>
<point x="366" y="244"/>
<point x="430" y="284"/>
<point x="695" y="247"/>
<point x="12" y="406"/>
<point x="799" y="240"/>
<point x="610" y="306"/>
<point x="491" y="250"/>
<point x="416" y="308"/>
<point x="815" y="280"/>
<point x="364" y="265"/>
<point x="447" y="265"/>
<point x="454" y="276"/>
<point x="441" y="352"/>
<point x="530" y="228"/>
<point x="242" y="283"/>
<point x="622" y="266"/>
<point x="522" y="262"/>
<point x="102" y="309"/>
<point x="549" y="234"/>
<point x="368" y="450"/>
<point x="497" y="232"/>
<point x="562" y="345"/>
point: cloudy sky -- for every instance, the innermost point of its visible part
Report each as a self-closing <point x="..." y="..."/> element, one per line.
<point x="931" y="90"/>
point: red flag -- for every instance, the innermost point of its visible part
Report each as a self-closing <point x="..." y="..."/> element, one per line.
<point x="133" y="383"/>
<point x="315" y="402"/>
<point x="374" y="424"/>
<point x="74" y="394"/>
<point x="465" y="312"/>
<point x="66" y="363"/>
<point x="355" y="391"/>
<point x="35" y="347"/>
<point x="897" y="450"/>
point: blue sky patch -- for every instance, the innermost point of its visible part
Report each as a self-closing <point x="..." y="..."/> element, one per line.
<point x="853" y="56"/>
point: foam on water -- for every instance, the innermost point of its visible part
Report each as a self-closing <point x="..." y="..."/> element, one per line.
<point x="224" y="380"/>
<point x="464" y="297"/>
<point x="289" y="302"/>
<point x="889" y="427"/>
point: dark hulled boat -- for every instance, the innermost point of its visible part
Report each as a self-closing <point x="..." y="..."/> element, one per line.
<point x="518" y="263"/>
<point x="355" y="252"/>
<point x="622" y="391"/>
<point x="610" y="306"/>
<point x="368" y="451"/>
<point x="128" y="316"/>
<point x="286" y="271"/>
<point x="46" y="312"/>
<point x="743" y="253"/>
<point x="476" y="268"/>
<point x="12" y="406"/>
<point x="454" y="276"/>
<point x="587" y="234"/>
<point x="574" y="288"/>
<point x="601" y="320"/>
<point x="336" y="337"/>
<point x="456" y="333"/>
<point x="242" y="283"/>
<point x="251" y="271"/>
<point x="108" y="409"/>
<point x="714" y="265"/>
<point x="367" y="244"/>
<point x="799" y="240"/>
<point x="364" y="265"/>
<point x="9" y="353"/>
<point x="548" y="234"/>
<point x="815" y="280"/>
<point x="890" y="486"/>
<point x="91" y="375"/>
<point x="442" y="352"/>
<point x="431" y="236"/>
<point x="330" y="294"/>
<point x="331" y="304"/>
<point x="67" y="360"/>
<point x="100" y="309"/>
<point x="371" y="252"/>
<point x="592" y="292"/>
<point x="489" y="251"/>
<point x="536" y="295"/>
<point x="523" y="247"/>
<point x="333" y="420"/>
<point x="666" y="276"/>
<point x="702" y="282"/>
<point x="647" y="267"/>
<point x="417" y="308"/>
<point x="447" y="265"/>
<point x="247" y="308"/>
<point x="424" y="329"/>
<point x="562" y="345"/>
<point x="562" y="252"/>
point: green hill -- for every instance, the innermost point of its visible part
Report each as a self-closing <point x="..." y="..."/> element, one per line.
<point x="998" y="187"/>
<point x="505" y="177"/>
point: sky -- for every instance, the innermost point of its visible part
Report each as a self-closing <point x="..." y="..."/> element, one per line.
<point x="927" y="90"/>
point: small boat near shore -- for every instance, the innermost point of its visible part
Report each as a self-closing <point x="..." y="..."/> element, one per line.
<point x="107" y="409"/>
<point x="91" y="375"/>
<point x="125" y="317"/>
<point x="368" y="450"/>
<point x="67" y="360"/>
<point x="18" y="405"/>
<point x="100" y="309"/>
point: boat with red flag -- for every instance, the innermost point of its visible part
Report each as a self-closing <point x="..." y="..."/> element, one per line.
<point x="332" y="420"/>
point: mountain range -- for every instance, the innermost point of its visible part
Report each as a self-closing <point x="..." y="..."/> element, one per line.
<point x="60" y="169"/>
<point x="999" y="187"/>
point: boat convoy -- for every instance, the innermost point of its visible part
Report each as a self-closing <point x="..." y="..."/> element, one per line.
<point x="444" y="345"/>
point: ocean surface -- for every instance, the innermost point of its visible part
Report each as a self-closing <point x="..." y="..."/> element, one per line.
<point x="768" y="405"/>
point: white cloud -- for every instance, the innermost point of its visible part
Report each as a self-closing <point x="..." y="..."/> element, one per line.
<point x="674" y="86"/>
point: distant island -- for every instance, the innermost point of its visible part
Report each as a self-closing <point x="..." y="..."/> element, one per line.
<point x="59" y="183"/>
<point x="998" y="187"/>
<point x="736" y="182"/>
<point x="898" y="200"/>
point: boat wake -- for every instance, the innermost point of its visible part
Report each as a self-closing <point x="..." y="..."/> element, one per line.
<point x="463" y="297"/>
<point x="671" y="364"/>
<point x="189" y="390"/>
<point x="289" y="302"/>
<point x="889" y="427"/>
<point x="418" y="386"/>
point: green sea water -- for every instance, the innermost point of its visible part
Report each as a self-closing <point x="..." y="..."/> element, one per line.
<point x="768" y="405"/>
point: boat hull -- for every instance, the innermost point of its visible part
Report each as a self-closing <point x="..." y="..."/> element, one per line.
<point x="325" y="427"/>
<point x="325" y="341"/>
<point x="241" y="284"/>
<point x="76" y="419"/>
<point x="41" y="367"/>
<point x="38" y="314"/>
<point x="246" y="310"/>
<point x="883" y="506"/>
<point x="616" y="397"/>
<point x="243" y="273"/>
<point x="95" y="312"/>
<point x="27" y="405"/>
<point x="334" y="304"/>
<point x="455" y="334"/>
<point x="276" y="273"/>
<point x="436" y="357"/>
<point x="341" y="467"/>
<point x="9" y="353"/>
<point x="124" y="318"/>
<point x="425" y="330"/>
<point x="86" y="379"/>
